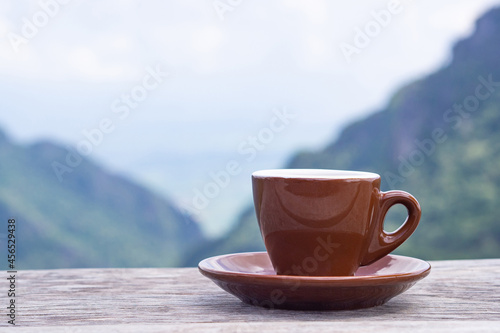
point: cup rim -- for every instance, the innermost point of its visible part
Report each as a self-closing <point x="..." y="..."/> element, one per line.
<point x="315" y="174"/>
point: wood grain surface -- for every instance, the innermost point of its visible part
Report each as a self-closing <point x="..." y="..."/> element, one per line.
<point x="460" y="295"/>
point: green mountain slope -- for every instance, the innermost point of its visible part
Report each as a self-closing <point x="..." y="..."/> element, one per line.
<point x="438" y="138"/>
<point x="245" y="237"/>
<point x="89" y="219"/>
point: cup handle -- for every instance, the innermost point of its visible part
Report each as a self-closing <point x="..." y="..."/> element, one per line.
<point x="382" y="242"/>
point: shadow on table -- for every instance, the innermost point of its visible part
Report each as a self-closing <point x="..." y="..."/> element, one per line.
<point x="232" y="309"/>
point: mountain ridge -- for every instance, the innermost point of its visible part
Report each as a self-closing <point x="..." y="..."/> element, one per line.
<point x="91" y="219"/>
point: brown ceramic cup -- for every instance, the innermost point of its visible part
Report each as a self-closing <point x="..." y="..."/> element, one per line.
<point x="327" y="222"/>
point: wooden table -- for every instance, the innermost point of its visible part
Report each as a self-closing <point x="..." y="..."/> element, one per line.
<point x="458" y="295"/>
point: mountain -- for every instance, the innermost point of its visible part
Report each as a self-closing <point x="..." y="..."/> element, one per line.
<point x="70" y="213"/>
<point x="439" y="139"/>
<point x="245" y="237"/>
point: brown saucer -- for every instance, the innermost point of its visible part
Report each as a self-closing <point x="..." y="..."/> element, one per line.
<point x="251" y="278"/>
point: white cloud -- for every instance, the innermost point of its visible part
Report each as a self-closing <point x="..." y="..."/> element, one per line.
<point x="85" y="64"/>
<point x="316" y="12"/>
<point x="207" y="41"/>
<point x="3" y="27"/>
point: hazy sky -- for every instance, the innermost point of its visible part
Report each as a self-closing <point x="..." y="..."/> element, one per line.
<point x="183" y="80"/>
